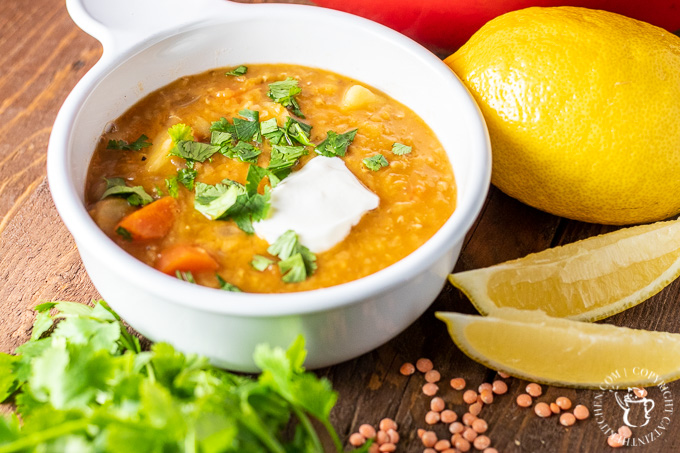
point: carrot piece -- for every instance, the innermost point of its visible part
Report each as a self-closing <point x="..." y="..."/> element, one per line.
<point x="185" y="258"/>
<point x="153" y="221"/>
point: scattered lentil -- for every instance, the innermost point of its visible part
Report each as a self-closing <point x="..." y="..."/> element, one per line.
<point x="387" y="447"/>
<point x="503" y="374"/>
<point x="542" y="410"/>
<point x="458" y="383"/>
<point x="581" y="412"/>
<point x="374" y="448"/>
<point x="456" y="428"/>
<point x="407" y="369"/>
<point x="442" y="445"/>
<point x="499" y="387"/>
<point x="625" y="432"/>
<point x="484" y="386"/>
<point x="640" y="392"/>
<point x="616" y="440"/>
<point x="567" y="419"/>
<point x="469" y="434"/>
<point x="448" y="416"/>
<point x="429" y="450"/>
<point x="432" y="418"/>
<point x="424" y="365"/>
<point x="386" y="424"/>
<point x="462" y="444"/>
<point x="367" y="431"/>
<point x="475" y="408"/>
<point x="563" y="402"/>
<point x="357" y="440"/>
<point x="382" y="437"/>
<point x="524" y="400"/>
<point x="433" y="376"/>
<point x="480" y="426"/>
<point x="486" y="396"/>
<point x="490" y="450"/>
<point x="554" y="408"/>
<point x="534" y="390"/>
<point x="437" y="404"/>
<point x="393" y="435"/>
<point x="470" y="396"/>
<point x="429" y="438"/>
<point x="468" y="418"/>
<point x="421" y="431"/>
<point x="430" y="389"/>
<point x="482" y="442"/>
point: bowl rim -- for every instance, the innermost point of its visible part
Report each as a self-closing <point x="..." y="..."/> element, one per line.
<point x="264" y="305"/>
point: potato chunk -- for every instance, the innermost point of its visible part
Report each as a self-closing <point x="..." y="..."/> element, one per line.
<point x="357" y="97"/>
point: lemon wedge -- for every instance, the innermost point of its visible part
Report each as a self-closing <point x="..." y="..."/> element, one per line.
<point x="554" y="351"/>
<point x="585" y="280"/>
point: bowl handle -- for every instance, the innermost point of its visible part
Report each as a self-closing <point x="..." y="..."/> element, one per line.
<point x="120" y="24"/>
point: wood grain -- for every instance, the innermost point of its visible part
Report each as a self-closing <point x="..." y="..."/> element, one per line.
<point x="43" y="55"/>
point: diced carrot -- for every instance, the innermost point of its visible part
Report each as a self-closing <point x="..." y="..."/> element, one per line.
<point x="153" y="221"/>
<point x="185" y="258"/>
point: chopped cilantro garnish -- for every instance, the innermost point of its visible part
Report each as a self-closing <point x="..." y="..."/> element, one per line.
<point x="220" y="138"/>
<point x="135" y="195"/>
<point x="283" y="158"/>
<point x="232" y="200"/>
<point x="261" y="263"/>
<point x="185" y="276"/>
<point x="195" y="151"/>
<point x="297" y="261"/>
<point x="187" y="176"/>
<point x="284" y="92"/>
<point x="336" y="144"/>
<point x="223" y="125"/>
<point x="375" y="162"/>
<point x="226" y="286"/>
<point x="246" y="152"/>
<point x="400" y="149"/>
<point x="298" y="131"/>
<point x="241" y="70"/>
<point x="248" y="129"/>
<point x="141" y="142"/>
<point x="173" y="188"/>
<point x="181" y="132"/>
<point x="125" y="234"/>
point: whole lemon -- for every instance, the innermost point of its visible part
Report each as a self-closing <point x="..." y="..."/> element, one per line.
<point x="583" y="111"/>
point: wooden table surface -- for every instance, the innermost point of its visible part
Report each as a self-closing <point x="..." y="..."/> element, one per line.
<point x="43" y="55"/>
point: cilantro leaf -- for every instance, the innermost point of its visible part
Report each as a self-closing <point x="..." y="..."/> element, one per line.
<point x="253" y="178"/>
<point x="125" y="234"/>
<point x="135" y="195"/>
<point x="246" y="152"/>
<point x="239" y="71"/>
<point x="226" y="286"/>
<point x="187" y="176"/>
<point x="223" y="125"/>
<point x="173" y="188"/>
<point x="283" y="157"/>
<point x="185" y="276"/>
<point x="261" y="263"/>
<point x="248" y="129"/>
<point x="214" y="201"/>
<point x="298" y="131"/>
<point x="141" y="143"/>
<point x="336" y="144"/>
<point x="181" y="132"/>
<point x="284" y="92"/>
<point x="375" y="162"/>
<point x="297" y="261"/>
<point x="400" y="149"/>
<point x="193" y="151"/>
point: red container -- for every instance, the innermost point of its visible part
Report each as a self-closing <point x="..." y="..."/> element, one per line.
<point x="445" y="25"/>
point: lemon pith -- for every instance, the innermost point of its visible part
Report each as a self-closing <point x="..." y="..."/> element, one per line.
<point x="586" y="280"/>
<point x="581" y="107"/>
<point x="554" y="351"/>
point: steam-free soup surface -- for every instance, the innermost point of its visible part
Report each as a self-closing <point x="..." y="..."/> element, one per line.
<point x="416" y="188"/>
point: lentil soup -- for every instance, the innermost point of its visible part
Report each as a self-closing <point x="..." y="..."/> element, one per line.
<point x="201" y="136"/>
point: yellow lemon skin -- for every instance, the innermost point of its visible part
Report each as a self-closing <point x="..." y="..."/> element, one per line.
<point x="583" y="111"/>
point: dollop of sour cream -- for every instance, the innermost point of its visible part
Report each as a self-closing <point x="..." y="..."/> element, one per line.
<point x="321" y="203"/>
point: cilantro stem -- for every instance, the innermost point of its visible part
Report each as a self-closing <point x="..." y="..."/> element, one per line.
<point x="42" y="436"/>
<point x="307" y="424"/>
<point x="331" y="432"/>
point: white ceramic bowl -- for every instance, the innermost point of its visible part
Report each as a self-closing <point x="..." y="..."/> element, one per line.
<point x="150" y="43"/>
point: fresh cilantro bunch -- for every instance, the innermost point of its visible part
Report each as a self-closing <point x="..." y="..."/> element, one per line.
<point x="83" y="384"/>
